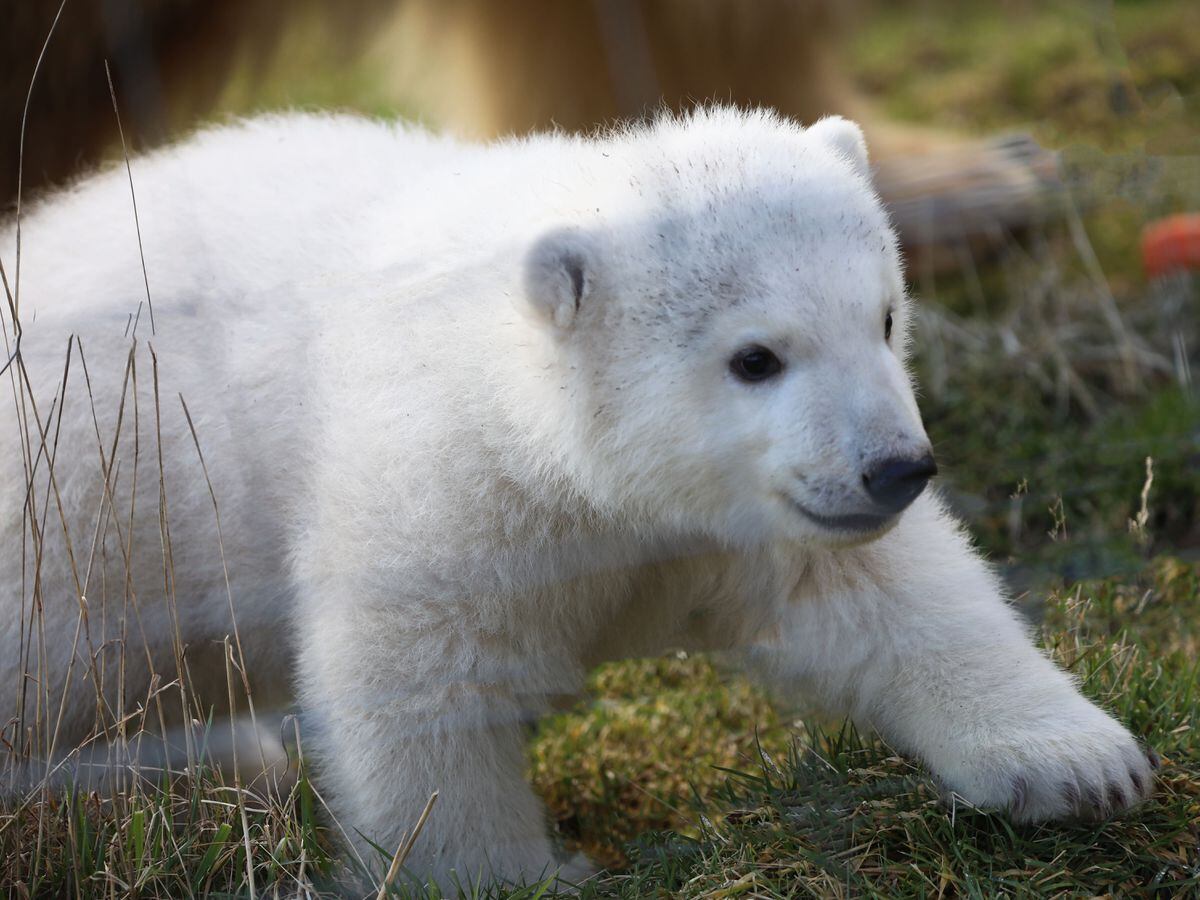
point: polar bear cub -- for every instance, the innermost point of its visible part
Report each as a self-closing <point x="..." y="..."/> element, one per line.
<point x="479" y="418"/>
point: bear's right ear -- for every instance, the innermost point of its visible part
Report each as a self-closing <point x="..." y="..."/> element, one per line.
<point x="559" y="274"/>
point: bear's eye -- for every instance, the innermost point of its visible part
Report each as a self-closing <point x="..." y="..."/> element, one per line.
<point x="755" y="363"/>
<point x="887" y="327"/>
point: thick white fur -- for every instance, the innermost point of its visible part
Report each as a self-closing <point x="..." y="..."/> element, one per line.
<point x="469" y="416"/>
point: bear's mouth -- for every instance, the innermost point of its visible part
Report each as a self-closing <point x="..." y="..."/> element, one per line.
<point x="857" y="523"/>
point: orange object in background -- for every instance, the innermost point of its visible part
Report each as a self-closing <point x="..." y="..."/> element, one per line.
<point x="1170" y="244"/>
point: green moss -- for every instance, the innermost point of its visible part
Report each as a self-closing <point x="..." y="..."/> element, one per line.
<point x="655" y="735"/>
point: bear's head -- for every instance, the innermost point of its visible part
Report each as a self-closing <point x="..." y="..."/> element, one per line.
<point x="732" y="336"/>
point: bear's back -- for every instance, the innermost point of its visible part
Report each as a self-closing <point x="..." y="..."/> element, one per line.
<point x="231" y="211"/>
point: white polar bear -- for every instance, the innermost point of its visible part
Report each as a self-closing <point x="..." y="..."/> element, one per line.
<point x="479" y="418"/>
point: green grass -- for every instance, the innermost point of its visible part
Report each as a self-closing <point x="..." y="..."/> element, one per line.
<point x="1118" y="76"/>
<point x="179" y="834"/>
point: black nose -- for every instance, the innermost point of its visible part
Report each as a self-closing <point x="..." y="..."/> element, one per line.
<point x="895" y="483"/>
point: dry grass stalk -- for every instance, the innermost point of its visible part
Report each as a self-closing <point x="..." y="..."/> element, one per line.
<point x="407" y="842"/>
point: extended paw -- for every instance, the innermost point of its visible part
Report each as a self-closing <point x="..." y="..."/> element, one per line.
<point x="1087" y="769"/>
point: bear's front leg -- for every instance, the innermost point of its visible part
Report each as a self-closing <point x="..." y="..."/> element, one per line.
<point x="911" y="635"/>
<point x="397" y="710"/>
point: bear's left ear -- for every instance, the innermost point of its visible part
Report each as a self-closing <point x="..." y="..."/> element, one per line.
<point x="845" y="138"/>
<point x="559" y="274"/>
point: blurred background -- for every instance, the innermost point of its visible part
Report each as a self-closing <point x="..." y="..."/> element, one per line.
<point x="1040" y="160"/>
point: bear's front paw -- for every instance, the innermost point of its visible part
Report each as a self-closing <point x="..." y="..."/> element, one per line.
<point x="1080" y="765"/>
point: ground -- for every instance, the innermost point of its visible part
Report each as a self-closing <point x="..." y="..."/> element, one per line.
<point x="1049" y="376"/>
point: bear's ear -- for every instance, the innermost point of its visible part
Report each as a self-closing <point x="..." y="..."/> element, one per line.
<point x="845" y="138"/>
<point x="559" y="274"/>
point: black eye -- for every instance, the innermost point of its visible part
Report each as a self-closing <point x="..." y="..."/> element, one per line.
<point x="887" y="327"/>
<point x="755" y="364"/>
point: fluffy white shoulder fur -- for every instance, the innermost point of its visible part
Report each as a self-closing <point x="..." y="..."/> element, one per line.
<point x="478" y="417"/>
